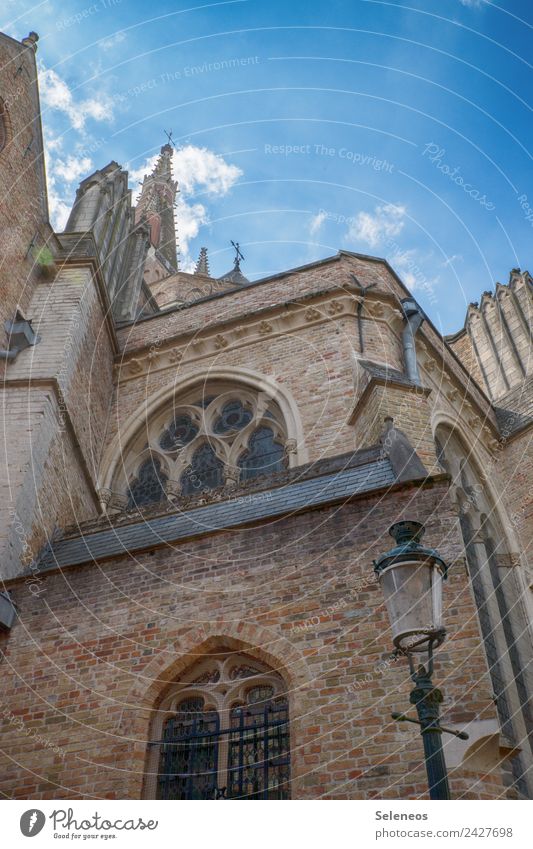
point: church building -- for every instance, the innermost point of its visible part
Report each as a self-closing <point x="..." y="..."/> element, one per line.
<point x="198" y="475"/>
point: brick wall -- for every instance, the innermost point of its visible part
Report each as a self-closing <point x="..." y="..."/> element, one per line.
<point x="92" y="655"/>
<point x="23" y="209"/>
<point x="56" y="399"/>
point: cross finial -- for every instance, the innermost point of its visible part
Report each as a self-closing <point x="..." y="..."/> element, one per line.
<point x="238" y="255"/>
<point x="169" y="137"/>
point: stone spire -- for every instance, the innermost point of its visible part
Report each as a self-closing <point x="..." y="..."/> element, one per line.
<point x="202" y="266"/>
<point x="156" y="206"/>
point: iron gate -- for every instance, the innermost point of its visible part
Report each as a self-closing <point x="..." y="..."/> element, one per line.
<point x="248" y="760"/>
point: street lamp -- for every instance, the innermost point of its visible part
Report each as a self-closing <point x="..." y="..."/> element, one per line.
<point x="411" y="578"/>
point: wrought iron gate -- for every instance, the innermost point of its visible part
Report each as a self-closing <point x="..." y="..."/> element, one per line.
<point x="248" y="760"/>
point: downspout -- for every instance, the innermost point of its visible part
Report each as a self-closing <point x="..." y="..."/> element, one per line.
<point x="413" y="319"/>
<point x="360" y="305"/>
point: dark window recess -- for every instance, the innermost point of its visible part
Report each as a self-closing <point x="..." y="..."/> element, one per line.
<point x="188" y="760"/>
<point x="248" y="760"/>
<point x="234" y="416"/>
<point x="149" y="485"/>
<point x="179" y="433"/>
<point x="263" y="455"/>
<point x="205" y="471"/>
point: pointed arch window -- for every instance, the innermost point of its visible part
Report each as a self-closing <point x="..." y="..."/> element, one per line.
<point x="178" y="434"/>
<point x="219" y="434"/>
<point x="263" y="455"/>
<point x="206" y="471"/>
<point x="149" y="485"/>
<point x="222" y="732"/>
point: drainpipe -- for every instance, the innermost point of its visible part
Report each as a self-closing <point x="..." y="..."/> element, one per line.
<point x="413" y="319"/>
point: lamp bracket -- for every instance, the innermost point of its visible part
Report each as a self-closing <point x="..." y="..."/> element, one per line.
<point x="401" y="717"/>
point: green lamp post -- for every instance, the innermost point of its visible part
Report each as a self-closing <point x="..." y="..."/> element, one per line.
<point x="411" y="577"/>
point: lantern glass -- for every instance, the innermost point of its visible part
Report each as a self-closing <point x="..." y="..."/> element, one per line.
<point x="413" y="596"/>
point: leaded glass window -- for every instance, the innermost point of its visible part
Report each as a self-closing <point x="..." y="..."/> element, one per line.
<point x="263" y="455"/>
<point x="213" y="435"/>
<point x="206" y="471"/>
<point x="189" y="754"/>
<point x="149" y="485"/>
<point x="228" y="738"/>
<point x="233" y="417"/>
<point x="179" y="433"/>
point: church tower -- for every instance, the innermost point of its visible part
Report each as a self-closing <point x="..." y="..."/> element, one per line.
<point x="156" y="207"/>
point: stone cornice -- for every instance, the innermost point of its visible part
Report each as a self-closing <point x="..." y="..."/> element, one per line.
<point x="314" y="308"/>
<point x="474" y="406"/>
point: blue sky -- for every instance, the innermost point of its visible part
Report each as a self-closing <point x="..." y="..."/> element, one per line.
<point x="397" y="129"/>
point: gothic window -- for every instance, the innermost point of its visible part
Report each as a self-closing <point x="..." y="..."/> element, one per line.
<point x="206" y="471"/>
<point x="222" y="732"/>
<point x="179" y="433"/>
<point x="188" y="757"/>
<point x="149" y="485"/>
<point x="233" y="417"/>
<point x="211" y="435"/>
<point x="263" y="454"/>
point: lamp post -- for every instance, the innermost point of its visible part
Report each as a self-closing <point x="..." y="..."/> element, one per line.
<point x="411" y="578"/>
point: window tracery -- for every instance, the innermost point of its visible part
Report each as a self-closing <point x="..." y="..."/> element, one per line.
<point x="149" y="485"/>
<point x="223" y="433"/>
<point x="222" y="732"/>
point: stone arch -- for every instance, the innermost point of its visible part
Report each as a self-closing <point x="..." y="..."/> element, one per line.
<point x="475" y="458"/>
<point x="270" y="647"/>
<point x="498" y="590"/>
<point x="245" y="378"/>
<point x="145" y="695"/>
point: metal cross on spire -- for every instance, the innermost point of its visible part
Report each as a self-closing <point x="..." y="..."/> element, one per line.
<point x="170" y="139"/>
<point x="238" y="254"/>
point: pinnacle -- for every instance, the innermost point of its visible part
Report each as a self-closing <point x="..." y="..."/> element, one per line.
<point x="202" y="266"/>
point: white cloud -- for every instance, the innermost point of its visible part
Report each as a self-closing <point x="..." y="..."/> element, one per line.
<point x="474" y="4"/>
<point x="59" y="209"/>
<point x="198" y="170"/>
<point x="56" y="94"/>
<point x="386" y="221"/>
<point x="112" y="41"/>
<point x="71" y="169"/>
<point x="317" y="222"/>
<point x="189" y="218"/>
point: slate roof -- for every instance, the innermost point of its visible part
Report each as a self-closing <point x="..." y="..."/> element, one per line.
<point x="313" y="492"/>
<point x="386" y="373"/>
